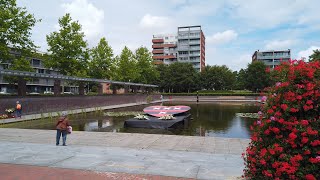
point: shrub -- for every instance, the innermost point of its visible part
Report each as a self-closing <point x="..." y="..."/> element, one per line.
<point x="285" y="142"/>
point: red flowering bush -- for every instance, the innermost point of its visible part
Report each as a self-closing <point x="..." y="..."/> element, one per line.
<point x="285" y="143"/>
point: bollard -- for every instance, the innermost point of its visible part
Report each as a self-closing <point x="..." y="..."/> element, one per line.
<point x="197" y="96"/>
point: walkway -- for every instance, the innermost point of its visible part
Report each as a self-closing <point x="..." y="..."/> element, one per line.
<point x="75" y="111"/>
<point x="132" y="154"/>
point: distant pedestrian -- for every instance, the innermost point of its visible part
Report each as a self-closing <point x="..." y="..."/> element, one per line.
<point x="62" y="129"/>
<point x="18" y="109"/>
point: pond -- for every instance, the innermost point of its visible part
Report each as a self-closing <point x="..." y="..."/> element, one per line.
<point x="207" y="119"/>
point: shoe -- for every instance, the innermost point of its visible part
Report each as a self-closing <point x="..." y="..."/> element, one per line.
<point x="64" y="145"/>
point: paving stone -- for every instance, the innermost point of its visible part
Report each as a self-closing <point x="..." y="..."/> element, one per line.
<point x="179" y="156"/>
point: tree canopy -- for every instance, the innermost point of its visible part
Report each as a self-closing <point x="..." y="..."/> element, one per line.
<point x="68" y="48"/>
<point x="146" y="68"/>
<point x="126" y="66"/>
<point x="217" y="78"/>
<point x="15" y="36"/>
<point x="315" y="56"/>
<point x="101" y="61"/>
<point x="257" y="78"/>
<point x="15" y="30"/>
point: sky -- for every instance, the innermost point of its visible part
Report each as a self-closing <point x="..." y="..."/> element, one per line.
<point x="234" y="29"/>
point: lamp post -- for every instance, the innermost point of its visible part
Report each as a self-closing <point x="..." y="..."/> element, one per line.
<point x="129" y="86"/>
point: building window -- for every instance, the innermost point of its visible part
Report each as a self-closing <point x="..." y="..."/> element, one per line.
<point x="41" y="71"/>
<point x="35" y="62"/>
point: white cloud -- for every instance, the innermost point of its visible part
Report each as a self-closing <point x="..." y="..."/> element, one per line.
<point x="222" y="37"/>
<point x="89" y="16"/>
<point x="306" y="53"/>
<point x="240" y="62"/>
<point x="280" y="45"/>
<point x="264" y="14"/>
<point x="178" y="2"/>
<point x="149" y="21"/>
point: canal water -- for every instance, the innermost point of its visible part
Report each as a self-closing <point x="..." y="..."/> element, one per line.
<point x="207" y="119"/>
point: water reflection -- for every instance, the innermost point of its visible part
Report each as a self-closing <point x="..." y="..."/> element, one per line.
<point x="208" y="119"/>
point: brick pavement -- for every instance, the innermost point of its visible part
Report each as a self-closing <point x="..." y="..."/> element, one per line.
<point x="27" y="172"/>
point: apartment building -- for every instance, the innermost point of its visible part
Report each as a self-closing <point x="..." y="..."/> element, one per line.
<point x="164" y="48"/>
<point x="272" y="58"/>
<point x="187" y="46"/>
<point x="38" y="85"/>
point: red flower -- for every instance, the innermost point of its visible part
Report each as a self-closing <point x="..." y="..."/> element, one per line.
<point x="263" y="152"/>
<point x="263" y="162"/>
<point x="272" y="152"/>
<point x="315" y="143"/>
<point x="281" y="121"/>
<point x="310" y="177"/>
<point x="311" y="132"/>
<point x="309" y="102"/>
<point x="299" y="97"/>
<point x="284" y="107"/>
<point x="304" y="122"/>
<point x="292" y="136"/>
<point x="275" y="130"/>
<point x="267" y="132"/>
<point x="266" y="173"/>
<point x="314" y="160"/>
<point x="294" y="110"/>
<point x="306" y="152"/>
<point x="304" y="140"/>
<point x="270" y="111"/>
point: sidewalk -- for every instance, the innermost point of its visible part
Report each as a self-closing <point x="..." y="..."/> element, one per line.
<point x="127" y="155"/>
<point x="74" y="111"/>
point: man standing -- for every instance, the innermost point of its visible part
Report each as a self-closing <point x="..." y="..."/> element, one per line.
<point x="18" y="109"/>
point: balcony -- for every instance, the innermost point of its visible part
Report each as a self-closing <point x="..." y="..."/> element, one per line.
<point x="164" y="57"/>
<point x="194" y="42"/>
<point x="157" y="51"/>
<point x="163" y="45"/>
<point x="157" y="62"/>
<point x="274" y="57"/>
<point x="157" y="40"/>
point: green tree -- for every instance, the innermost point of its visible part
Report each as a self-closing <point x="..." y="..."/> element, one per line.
<point x="15" y="29"/>
<point x="68" y="48"/>
<point x="146" y="68"/>
<point x="315" y="56"/>
<point x="181" y="77"/>
<point x="256" y="76"/>
<point x="126" y="66"/>
<point x="240" y="82"/>
<point x="162" y="81"/>
<point x="101" y="62"/>
<point x="217" y="77"/>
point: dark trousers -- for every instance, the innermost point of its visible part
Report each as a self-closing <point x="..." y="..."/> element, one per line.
<point x="64" y="136"/>
<point x="18" y="113"/>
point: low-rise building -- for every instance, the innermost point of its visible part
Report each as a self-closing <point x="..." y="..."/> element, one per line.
<point x="272" y="58"/>
<point x="34" y="86"/>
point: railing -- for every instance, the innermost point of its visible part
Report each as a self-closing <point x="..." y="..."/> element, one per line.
<point x="71" y="78"/>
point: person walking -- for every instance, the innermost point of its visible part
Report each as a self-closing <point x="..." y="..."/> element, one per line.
<point x="62" y="129"/>
<point x="18" y="109"/>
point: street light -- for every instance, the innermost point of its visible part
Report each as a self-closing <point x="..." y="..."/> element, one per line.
<point x="129" y="86"/>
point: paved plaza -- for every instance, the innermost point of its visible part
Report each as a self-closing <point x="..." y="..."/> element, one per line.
<point x="165" y="156"/>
